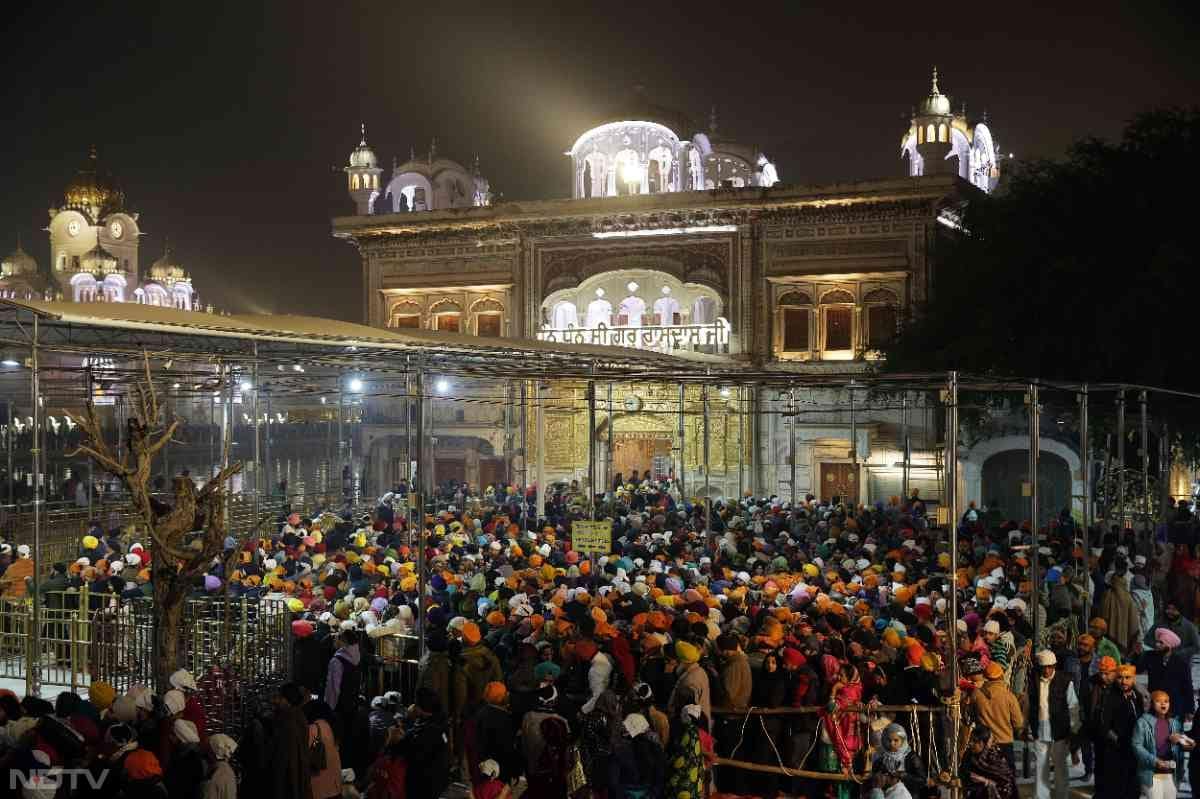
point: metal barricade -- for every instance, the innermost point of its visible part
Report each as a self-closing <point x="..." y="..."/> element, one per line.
<point x="394" y="667"/>
<point x="238" y="649"/>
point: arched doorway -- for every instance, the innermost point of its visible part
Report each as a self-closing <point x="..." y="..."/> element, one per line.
<point x="1004" y="474"/>
<point x="641" y="442"/>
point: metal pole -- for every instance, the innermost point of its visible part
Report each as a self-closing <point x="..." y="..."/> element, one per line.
<point x="540" y="494"/>
<point x="8" y="443"/>
<point x="1085" y="459"/>
<point x="33" y="664"/>
<point x="612" y="422"/>
<point x="741" y="406"/>
<point x="682" y="459"/>
<point x="269" y="486"/>
<point x="227" y="434"/>
<point x="951" y="497"/>
<point x="409" y="472"/>
<point x="508" y="432"/>
<point x="1121" y="459"/>
<point x="853" y="443"/>
<point x="792" y="440"/>
<point x="212" y="431"/>
<point x="591" y="466"/>
<point x="419" y="490"/>
<point x="1035" y="420"/>
<point x="907" y="444"/>
<point x="524" y="399"/>
<point x="254" y="411"/>
<point x="341" y="434"/>
<point x="329" y="457"/>
<point x="1144" y="442"/>
<point x="707" y="484"/>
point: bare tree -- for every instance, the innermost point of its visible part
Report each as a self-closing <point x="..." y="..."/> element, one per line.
<point x="185" y="536"/>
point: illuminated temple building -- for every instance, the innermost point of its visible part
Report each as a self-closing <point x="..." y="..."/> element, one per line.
<point x="681" y="240"/>
<point x="94" y="252"/>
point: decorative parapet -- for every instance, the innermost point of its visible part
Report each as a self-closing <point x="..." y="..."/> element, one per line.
<point x="707" y="338"/>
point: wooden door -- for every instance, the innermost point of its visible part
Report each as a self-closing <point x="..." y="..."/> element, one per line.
<point x="491" y="471"/>
<point x="839" y="480"/>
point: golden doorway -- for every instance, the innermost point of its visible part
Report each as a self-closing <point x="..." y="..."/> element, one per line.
<point x="640" y="453"/>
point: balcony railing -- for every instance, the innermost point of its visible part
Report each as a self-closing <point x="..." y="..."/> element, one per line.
<point x="710" y="338"/>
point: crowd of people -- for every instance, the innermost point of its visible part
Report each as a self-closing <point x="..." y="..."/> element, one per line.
<point x="633" y="671"/>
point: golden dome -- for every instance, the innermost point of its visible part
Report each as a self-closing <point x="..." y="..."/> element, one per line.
<point x="98" y="261"/>
<point x="92" y="192"/>
<point x="936" y="103"/>
<point x="165" y="270"/>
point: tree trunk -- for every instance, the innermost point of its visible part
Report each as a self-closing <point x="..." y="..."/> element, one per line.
<point x="168" y="615"/>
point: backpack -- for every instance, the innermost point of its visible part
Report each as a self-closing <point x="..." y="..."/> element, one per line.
<point x="348" y="691"/>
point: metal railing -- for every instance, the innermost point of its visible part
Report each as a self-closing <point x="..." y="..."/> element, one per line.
<point x="239" y="649"/>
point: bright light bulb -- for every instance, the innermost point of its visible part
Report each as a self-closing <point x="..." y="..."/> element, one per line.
<point x="631" y="172"/>
<point x="442" y="386"/>
<point x="356" y="384"/>
<point x="246" y="385"/>
<point x="725" y="393"/>
<point x="10" y="361"/>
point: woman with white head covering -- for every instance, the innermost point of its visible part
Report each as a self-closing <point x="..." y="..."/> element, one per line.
<point x="223" y="782"/>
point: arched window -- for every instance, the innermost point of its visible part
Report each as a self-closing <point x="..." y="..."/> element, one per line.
<point x="631" y="311"/>
<point x="930" y="133"/>
<point x="406" y="316"/>
<point x="447" y="316"/>
<point x="599" y="312"/>
<point x="942" y="132"/>
<point x="564" y="315"/>
<point x="666" y="311"/>
<point x="920" y="135"/>
<point x="837" y="317"/>
<point x="795" y="314"/>
<point x="354" y="182"/>
<point x="489" y="317"/>
<point x="704" y="311"/>
<point x="882" y="317"/>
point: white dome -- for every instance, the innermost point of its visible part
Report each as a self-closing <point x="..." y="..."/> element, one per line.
<point x="18" y="262"/>
<point x="363" y="155"/>
<point x="936" y="103"/>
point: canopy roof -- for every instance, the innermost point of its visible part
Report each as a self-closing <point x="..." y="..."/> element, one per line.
<point x="131" y="329"/>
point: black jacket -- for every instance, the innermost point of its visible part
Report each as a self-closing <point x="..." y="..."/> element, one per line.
<point x="426" y="744"/>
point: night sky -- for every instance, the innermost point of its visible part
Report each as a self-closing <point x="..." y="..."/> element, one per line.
<point x="227" y="126"/>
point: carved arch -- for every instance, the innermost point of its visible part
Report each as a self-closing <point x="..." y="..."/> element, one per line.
<point x="837" y="296"/>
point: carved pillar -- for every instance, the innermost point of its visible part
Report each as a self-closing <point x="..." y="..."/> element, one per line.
<point x="526" y="289"/>
<point x="743" y="281"/>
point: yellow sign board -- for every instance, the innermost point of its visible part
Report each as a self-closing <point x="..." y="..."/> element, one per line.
<point x="593" y="538"/>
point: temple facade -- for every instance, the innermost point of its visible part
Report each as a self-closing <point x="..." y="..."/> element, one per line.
<point x="677" y="240"/>
<point x="94" y="244"/>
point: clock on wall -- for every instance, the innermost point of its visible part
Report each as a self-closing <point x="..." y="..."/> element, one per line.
<point x="633" y="403"/>
<point x="73" y="227"/>
<point x="115" y="229"/>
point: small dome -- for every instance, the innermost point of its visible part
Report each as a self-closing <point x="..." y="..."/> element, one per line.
<point x="166" y="270"/>
<point x="363" y="155"/>
<point x="98" y="261"/>
<point x="18" y="262"/>
<point x="93" y="192"/>
<point x="936" y="103"/>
